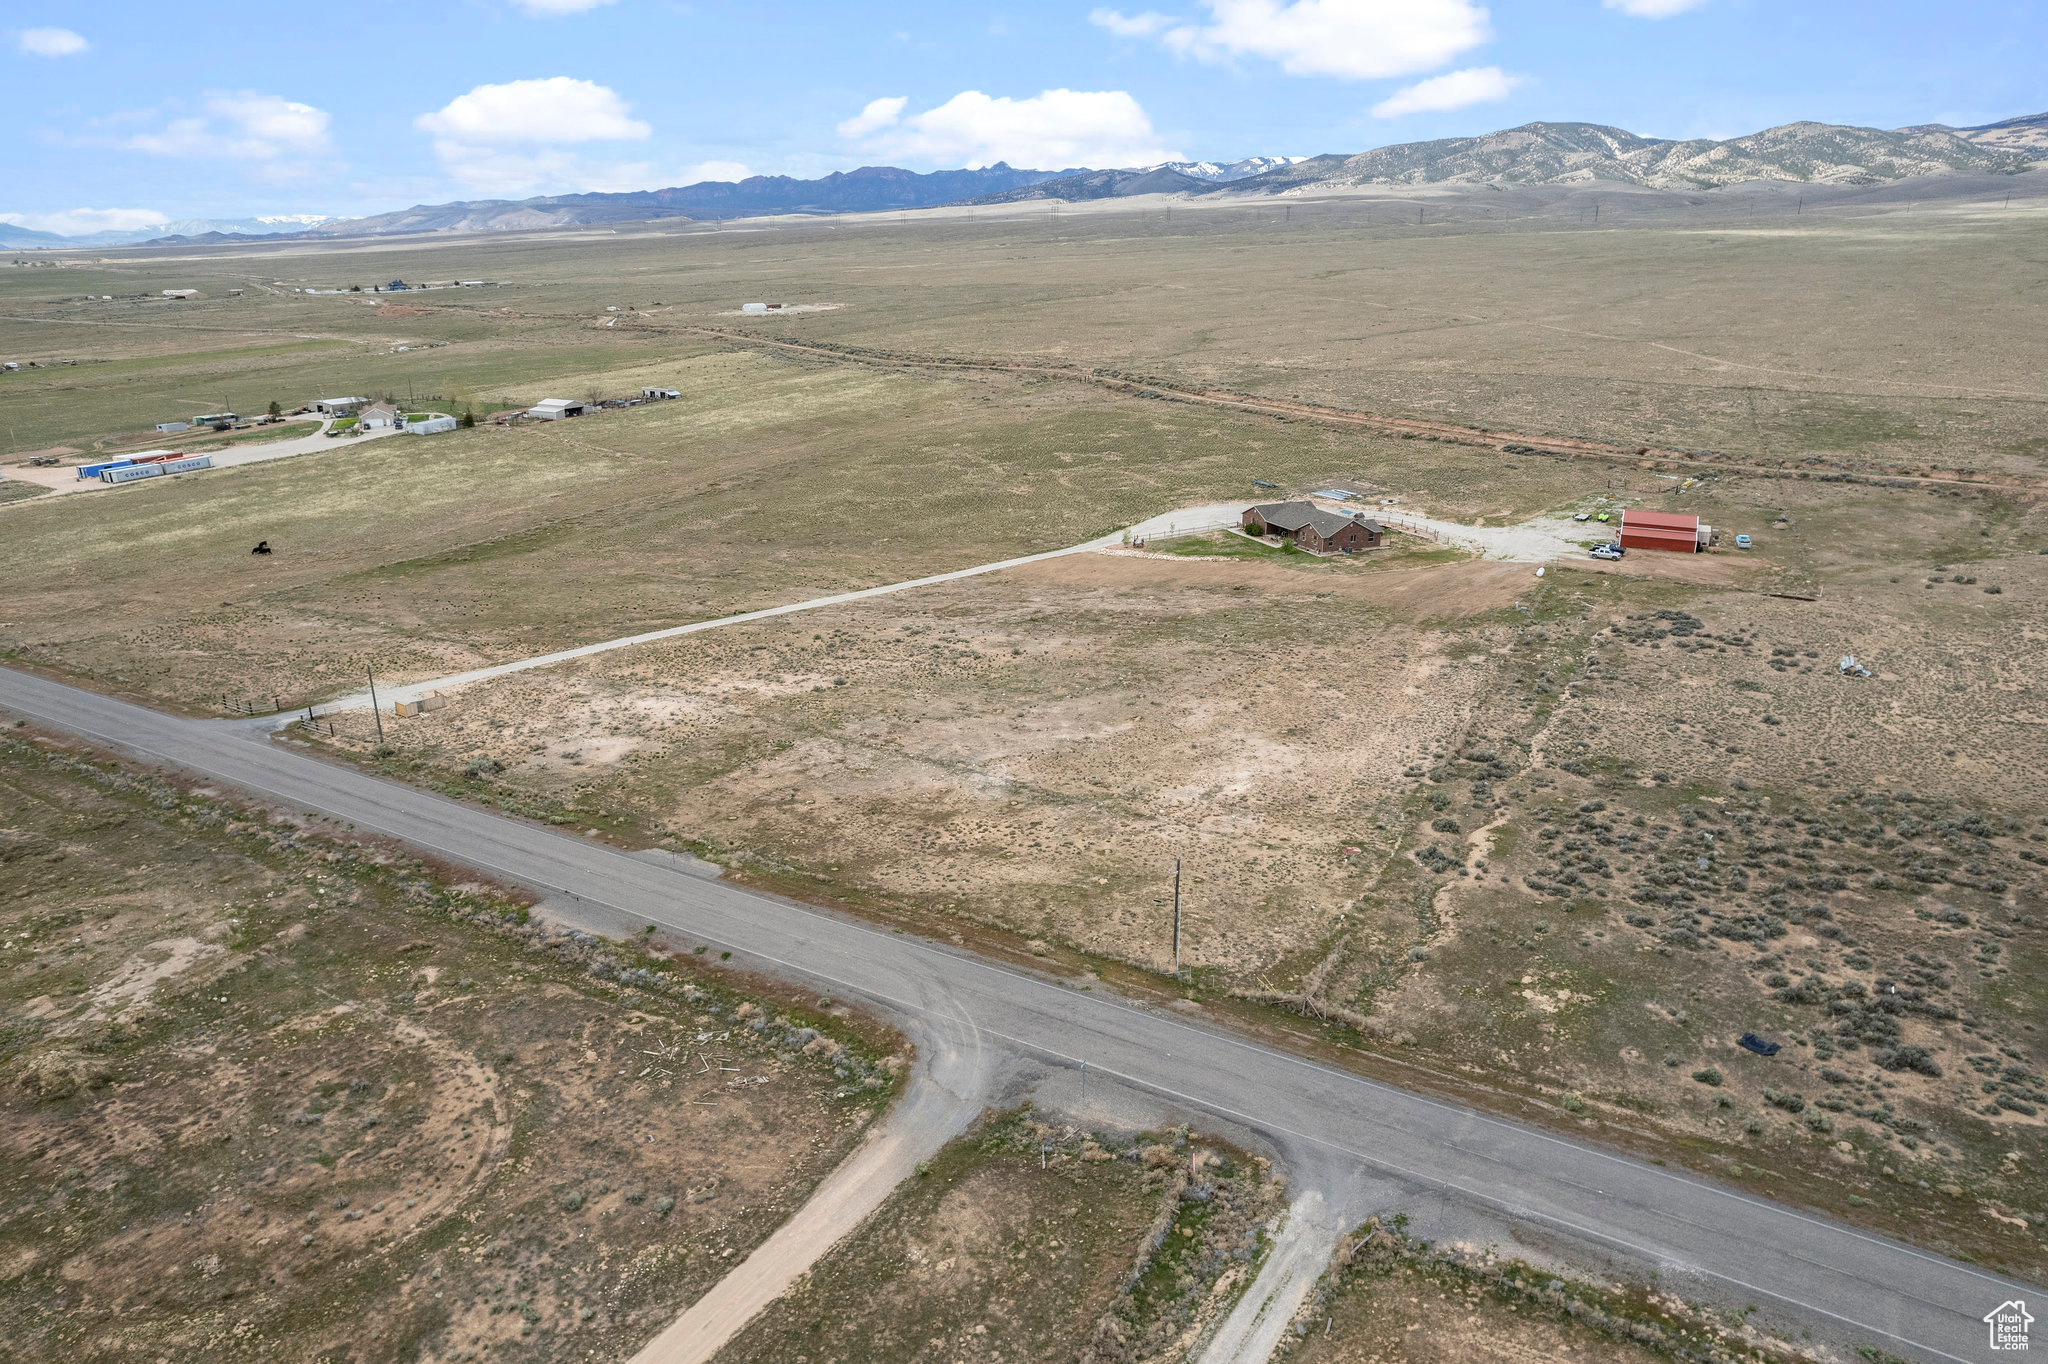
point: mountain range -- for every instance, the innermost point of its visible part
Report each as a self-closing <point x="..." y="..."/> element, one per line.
<point x="234" y="229"/>
<point x="1533" y="154"/>
<point x="871" y="189"/>
<point x="1583" y="153"/>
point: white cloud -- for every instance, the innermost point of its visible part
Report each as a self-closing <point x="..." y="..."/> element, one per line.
<point x="513" y="139"/>
<point x="1050" y="131"/>
<point x="1355" y="39"/>
<point x="557" y="110"/>
<point x="1653" y="9"/>
<point x="50" y="42"/>
<point x="77" y="222"/>
<point x="1143" y="25"/>
<point x="874" y="116"/>
<point x="556" y="9"/>
<point x="1452" y="90"/>
<point x="243" y="126"/>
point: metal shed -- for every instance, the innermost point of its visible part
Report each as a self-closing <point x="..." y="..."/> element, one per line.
<point x="554" y="409"/>
<point x="1680" y="533"/>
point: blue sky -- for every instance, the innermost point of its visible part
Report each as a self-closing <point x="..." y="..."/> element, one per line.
<point x="125" y="112"/>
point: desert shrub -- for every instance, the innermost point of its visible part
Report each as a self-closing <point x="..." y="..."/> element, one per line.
<point x="1819" y="1122"/>
<point x="1907" y="1057"/>
<point x="1709" y="1076"/>
<point x="1444" y="824"/>
<point x="572" y="1201"/>
<point x="1572" y="1102"/>
<point x="1435" y="859"/>
<point x="1785" y="1099"/>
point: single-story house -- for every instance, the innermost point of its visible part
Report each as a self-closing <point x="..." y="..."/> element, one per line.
<point x="378" y="416"/>
<point x="554" y="409"/>
<point x="1313" y="529"/>
<point x="657" y="394"/>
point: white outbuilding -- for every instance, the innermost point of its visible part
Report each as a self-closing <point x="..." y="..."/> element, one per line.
<point x="554" y="409"/>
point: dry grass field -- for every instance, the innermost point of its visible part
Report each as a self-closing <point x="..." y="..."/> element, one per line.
<point x="1557" y="841"/>
<point x="269" y="1094"/>
<point x="1033" y="1240"/>
<point x="1389" y="1299"/>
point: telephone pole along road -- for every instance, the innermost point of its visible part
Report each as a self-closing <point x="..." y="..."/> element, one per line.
<point x="1701" y="1239"/>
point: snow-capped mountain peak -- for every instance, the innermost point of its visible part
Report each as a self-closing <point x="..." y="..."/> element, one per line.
<point x="1219" y="172"/>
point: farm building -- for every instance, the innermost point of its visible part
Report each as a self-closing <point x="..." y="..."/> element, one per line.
<point x="554" y="409"/>
<point x="181" y="293"/>
<point x="1680" y="533"/>
<point x="1312" y="528"/>
<point x="339" y="407"/>
<point x="657" y="394"/>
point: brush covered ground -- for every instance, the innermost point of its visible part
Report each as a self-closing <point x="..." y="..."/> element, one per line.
<point x="270" y="1094"/>
<point x="1390" y="1299"/>
<point x="1902" y="336"/>
<point x="777" y="474"/>
<point x="1032" y="1240"/>
<point x="775" y="479"/>
<point x="1456" y="811"/>
<point x="1023" y="755"/>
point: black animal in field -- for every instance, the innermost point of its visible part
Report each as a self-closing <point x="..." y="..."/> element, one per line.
<point x="262" y="547"/>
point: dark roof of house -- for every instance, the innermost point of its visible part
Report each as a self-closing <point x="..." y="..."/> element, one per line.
<point x="1288" y="516"/>
<point x="1328" y="523"/>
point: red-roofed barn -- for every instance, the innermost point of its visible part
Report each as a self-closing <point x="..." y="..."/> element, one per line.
<point x="1663" y="530"/>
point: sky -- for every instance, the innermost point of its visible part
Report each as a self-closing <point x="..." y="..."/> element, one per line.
<point x="124" y="114"/>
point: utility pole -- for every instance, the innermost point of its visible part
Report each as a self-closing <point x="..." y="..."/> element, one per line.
<point x="375" y="714"/>
<point x="1176" y="916"/>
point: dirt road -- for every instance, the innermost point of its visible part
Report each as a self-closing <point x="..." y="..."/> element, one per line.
<point x="947" y="1089"/>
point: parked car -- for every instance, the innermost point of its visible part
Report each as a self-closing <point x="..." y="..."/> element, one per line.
<point x="1742" y="542"/>
<point x="1607" y="551"/>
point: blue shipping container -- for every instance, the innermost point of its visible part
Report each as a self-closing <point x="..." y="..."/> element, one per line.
<point x="95" y="470"/>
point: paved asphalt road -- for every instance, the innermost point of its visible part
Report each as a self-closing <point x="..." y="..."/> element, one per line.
<point x="1847" y="1284"/>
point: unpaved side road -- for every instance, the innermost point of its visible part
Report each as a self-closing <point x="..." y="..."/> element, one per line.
<point x="948" y="1088"/>
<point x="1213" y="516"/>
<point x="1331" y="1197"/>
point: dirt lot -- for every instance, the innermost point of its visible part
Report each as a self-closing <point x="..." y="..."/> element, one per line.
<point x="1031" y="750"/>
<point x="1033" y="1240"/>
<point x="272" y="1095"/>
